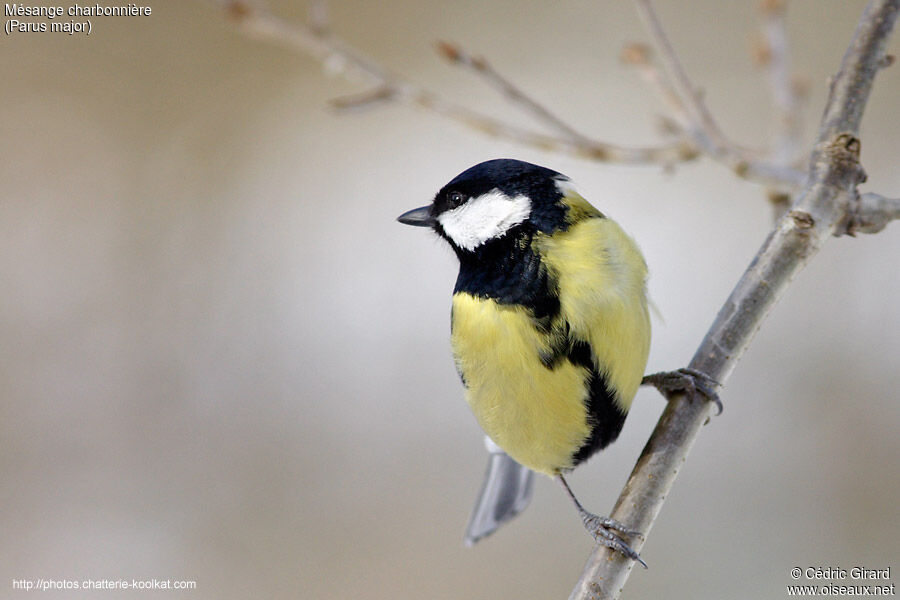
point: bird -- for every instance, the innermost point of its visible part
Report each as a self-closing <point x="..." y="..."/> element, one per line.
<point x="550" y="329"/>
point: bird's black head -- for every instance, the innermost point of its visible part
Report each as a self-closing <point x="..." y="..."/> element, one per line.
<point x="489" y="201"/>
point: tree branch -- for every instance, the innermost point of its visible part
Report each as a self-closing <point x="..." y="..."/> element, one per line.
<point x="871" y="214"/>
<point x="834" y="172"/>
<point x="255" y="20"/>
<point x="773" y="53"/>
<point x="703" y="128"/>
<point x="640" y="57"/>
<point x="480" y="66"/>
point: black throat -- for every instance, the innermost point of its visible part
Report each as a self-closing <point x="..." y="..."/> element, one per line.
<point x="508" y="271"/>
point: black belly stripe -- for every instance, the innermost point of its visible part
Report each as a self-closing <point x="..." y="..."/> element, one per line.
<point x="605" y="418"/>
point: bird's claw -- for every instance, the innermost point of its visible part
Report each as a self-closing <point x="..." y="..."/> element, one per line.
<point x="687" y="380"/>
<point x="605" y="531"/>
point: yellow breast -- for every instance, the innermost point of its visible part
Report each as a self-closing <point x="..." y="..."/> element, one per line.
<point x="537" y="415"/>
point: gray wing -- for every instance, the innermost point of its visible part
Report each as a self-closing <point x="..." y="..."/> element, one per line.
<point x="506" y="492"/>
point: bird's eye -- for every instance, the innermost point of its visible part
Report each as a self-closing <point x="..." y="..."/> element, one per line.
<point x="455" y="199"/>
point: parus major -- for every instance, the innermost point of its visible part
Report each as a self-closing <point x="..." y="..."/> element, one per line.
<point x="549" y="325"/>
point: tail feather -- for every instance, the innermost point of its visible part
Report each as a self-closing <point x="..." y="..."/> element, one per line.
<point x="506" y="492"/>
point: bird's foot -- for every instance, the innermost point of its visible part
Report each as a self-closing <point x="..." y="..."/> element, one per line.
<point x="606" y="531"/>
<point x="689" y="381"/>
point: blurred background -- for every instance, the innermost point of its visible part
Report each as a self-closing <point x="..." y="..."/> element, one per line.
<point x="222" y="360"/>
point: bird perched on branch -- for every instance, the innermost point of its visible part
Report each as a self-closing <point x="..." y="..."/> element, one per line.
<point x="549" y="327"/>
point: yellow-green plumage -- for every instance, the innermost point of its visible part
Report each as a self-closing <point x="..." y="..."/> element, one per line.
<point x="602" y="291"/>
<point x="537" y="414"/>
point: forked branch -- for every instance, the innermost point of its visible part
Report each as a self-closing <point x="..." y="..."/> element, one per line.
<point x="824" y="203"/>
<point x="701" y="125"/>
<point x="698" y="135"/>
<point x="254" y="19"/>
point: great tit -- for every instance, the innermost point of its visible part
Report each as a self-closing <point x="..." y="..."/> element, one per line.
<point x="549" y="325"/>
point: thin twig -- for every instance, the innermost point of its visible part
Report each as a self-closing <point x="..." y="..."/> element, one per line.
<point x="871" y="214"/>
<point x="704" y="130"/>
<point x="773" y="53"/>
<point x="255" y="20"/>
<point x="640" y="56"/>
<point x="693" y="102"/>
<point x="815" y="217"/>
<point x="480" y="66"/>
<point x="363" y="101"/>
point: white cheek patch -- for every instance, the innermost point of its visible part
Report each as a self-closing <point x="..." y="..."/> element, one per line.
<point x="483" y="218"/>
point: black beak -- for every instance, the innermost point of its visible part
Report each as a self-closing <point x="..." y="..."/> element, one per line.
<point x="419" y="217"/>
